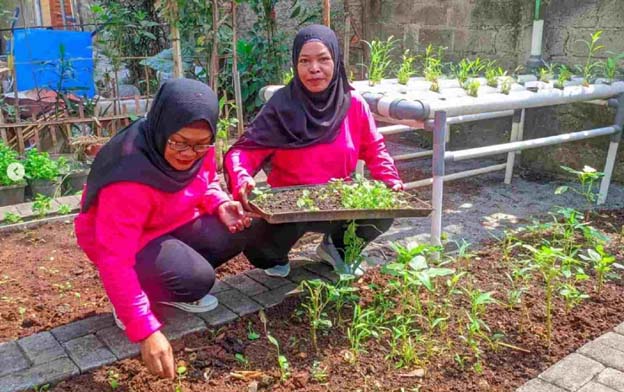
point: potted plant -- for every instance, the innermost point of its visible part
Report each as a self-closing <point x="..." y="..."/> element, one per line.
<point x="12" y="184"/>
<point x="43" y="172"/>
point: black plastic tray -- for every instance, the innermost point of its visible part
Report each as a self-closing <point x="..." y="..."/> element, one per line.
<point x="418" y="208"/>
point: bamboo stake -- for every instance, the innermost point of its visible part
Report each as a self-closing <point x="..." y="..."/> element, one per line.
<point x="235" y="75"/>
<point x="176" y="48"/>
<point x="214" y="68"/>
<point x="3" y="132"/>
<point x="326" y="13"/>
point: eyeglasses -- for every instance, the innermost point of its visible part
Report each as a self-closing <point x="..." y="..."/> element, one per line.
<point x="180" y="146"/>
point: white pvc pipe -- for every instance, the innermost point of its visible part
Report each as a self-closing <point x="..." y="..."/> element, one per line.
<point x="474" y="117"/>
<point x="414" y="155"/>
<point x="511" y="156"/>
<point x="608" y="170"/>
<point x="437" y="168"/>
<point x="533" y="143"/>
<point x="393" y="129"/>
<point x="457" y="176"/>
<point x="536" y="38"/>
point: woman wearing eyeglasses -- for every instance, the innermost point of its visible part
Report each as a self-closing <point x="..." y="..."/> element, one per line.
<point x="154" y="219"/>
<point x="311" y="131"/>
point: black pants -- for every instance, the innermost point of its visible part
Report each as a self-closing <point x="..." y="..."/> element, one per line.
<point x="269" y="244"/>
<point x="180" y="266"/>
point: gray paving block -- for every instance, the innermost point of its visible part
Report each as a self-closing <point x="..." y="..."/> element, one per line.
<point x="324" y="270"/>
<point x="596" y="387"/>
<point x="47" y="373"/>
<point x="612" y="340"/>
<point x="300" y="274"/>
<point x="275" y="296"/>
<point x="245" y="284"/>
<point x="572" y="372"/>
<point x="41" y="348"/>
<point x="84" y="327"/>
<point x="220" y="316"/>
<point x="537" y="385"/>
<point x="88" y="352"/>
<point x="178" y="323"/>
<point x="12" y="359"/>
<point x="620" y="329"/>
<point x="612" y="378"/>
<point x="219" y="286"/>
<point x="606" y="355"/>
<point x="116" y="341"/>
<point x="271" y="282"/>
<point x="238" y="302"/>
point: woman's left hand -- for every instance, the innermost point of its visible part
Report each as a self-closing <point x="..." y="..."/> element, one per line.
<point x="398" y="187"/>
<point x="233" y="216"/>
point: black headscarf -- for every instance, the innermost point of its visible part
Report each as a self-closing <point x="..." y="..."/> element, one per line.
<point x="136" y="153"/>
<point x="295" y="117"/>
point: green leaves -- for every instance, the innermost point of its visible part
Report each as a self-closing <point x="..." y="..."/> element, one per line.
<point x="380" y="61"/>
<point x="7" y="157"/>
<point x="39" y="166"/>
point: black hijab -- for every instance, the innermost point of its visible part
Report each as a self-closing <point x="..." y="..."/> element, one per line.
<point x="295" y="117"/>
<point x="136" y="153"/>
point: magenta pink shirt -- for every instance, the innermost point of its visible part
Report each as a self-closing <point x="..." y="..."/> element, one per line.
<point x="358" y="138"/>
<point x="123" y="219"/>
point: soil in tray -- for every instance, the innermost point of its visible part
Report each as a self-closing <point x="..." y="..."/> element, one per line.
<point x="47" y="281"/>
<point x="210" y="356"/>
<point x="319" y="199"/>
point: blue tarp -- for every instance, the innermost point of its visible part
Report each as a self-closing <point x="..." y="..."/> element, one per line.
<point x="53" y="59"/>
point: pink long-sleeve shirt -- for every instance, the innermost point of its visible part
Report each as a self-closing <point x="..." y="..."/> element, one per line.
<point x="123" y="219"/>
<point x="358" y="138"/>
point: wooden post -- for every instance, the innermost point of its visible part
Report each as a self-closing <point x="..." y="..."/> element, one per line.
<point x="347" y="41"/>
<point x="176" y="46"/>
<point x="3" y="132"/>
<point x="326" y="13"/>
<point x="214" y="67"/>
<point x="235" y="76"/>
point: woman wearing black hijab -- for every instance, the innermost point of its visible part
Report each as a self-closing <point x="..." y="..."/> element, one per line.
<point x="311" y="131"/>
<point x="154" y="219"/>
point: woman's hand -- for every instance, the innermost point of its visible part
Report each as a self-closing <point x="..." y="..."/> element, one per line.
<point x="398" y="187"/>
<point x="233" y="216"/>
<point x="244" y="191"/>
<point x="157" y="355"/>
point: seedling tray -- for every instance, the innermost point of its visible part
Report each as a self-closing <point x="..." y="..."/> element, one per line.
<point x="415" y="208"/>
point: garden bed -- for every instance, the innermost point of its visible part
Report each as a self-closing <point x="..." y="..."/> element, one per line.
<point x="47" y="281"/>
<point x="509" y="337"/>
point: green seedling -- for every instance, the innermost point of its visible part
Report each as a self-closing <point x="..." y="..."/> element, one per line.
<point x="380" y="60"/>
<point x="242" y="360"/>
<point x="467" y="69"/>
<point x="11" y="218"/>
<point x="602" y="264"/>
<point x="403" y="339"/>
<point x="563" y="76"/>
<point x="354" y="246"/>
<point x="42" y="205"/>
<point x="493" y="74"/>
<point x="180" y="375"/>
<point x="64" y="209"/>
<point x="432" y="67"/>
<point x="365" y="324"/>
<point x="251" y="334"/>
<point x="305" y="202"/>
<point x="407" y="68"/>
<point x="282" y="361"/>
<point x="572" y="295"/>
<point x="587" y="179"/>
<point x="472" y="88"/>
<point x="611" y="66"/>
<point x="112" y="377"/>
<point x="589" y="70"/>
<point x="505" y="85"/>
<point x="547" y="72"/>
<point x="319" y="372"/>
<point x="315" y="303"/>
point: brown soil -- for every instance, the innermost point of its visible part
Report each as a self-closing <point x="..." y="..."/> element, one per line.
<point x="210" y="356"/>
<point x="47" y="281"/>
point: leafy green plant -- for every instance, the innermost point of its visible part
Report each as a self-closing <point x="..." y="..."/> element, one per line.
<point x="572" y="295"/>
<point x="611" y="66"/>
<point x="601" y="262"/>
<point x="282" y="361"/>
<point x="407" y="68"/>
<point x="380" y="59"/>
<point x="8" y="156"/>
<point x="251" y="334"/>
<point x="432" y="67"/>
<point x="42" y="205"/>
<point x="493" y="73"/>
<point x="319" y="372"/>
<point x="472" y="88"/>
<point x="242" y="360"/>
<point x="505" y="85"/>
<point x="589" y="70"/>
<point x="180" y="375"/>
<point x="39" y="166"/>
<point x="403" y="339"/>
<point x="11" y="218"/>
<point x="587" y="178"/>
<point x="467" y="69"/>
<point x="353" y="249"/>
<point x="112" y="377"/>
<point x="547" y="72"/>
<point x="306" y="202"/>
<point x="362" y="193"/>
<point x="563" y="76"/>
<point x="364" y="325"/>
<point x="64" y="209"/>
<point x="316" y="300"/>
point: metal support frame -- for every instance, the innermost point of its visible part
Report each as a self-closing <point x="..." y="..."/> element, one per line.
<point x="613" y="148"/>
<point x="439" y="131"/>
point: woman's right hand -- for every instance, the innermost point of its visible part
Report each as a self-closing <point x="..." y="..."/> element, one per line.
<point x="157" y="355"/>
<point x="244" y="190"/>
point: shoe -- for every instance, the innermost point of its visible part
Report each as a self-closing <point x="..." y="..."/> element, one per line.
<point x="280" y="271"/>
<point x="205" y="304"/>
<point x="328" y="253"/>
<point x="117" y="321"/>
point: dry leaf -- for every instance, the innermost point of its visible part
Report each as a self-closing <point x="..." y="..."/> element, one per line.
<point x="420" y="373"/>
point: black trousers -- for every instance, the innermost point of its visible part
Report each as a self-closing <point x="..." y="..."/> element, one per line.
<point x="269" y="244"/>
<point x="180" y="266"/>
